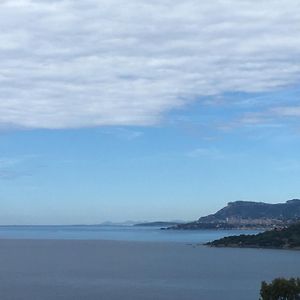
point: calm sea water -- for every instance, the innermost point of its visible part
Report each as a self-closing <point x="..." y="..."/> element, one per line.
<point x="122" y="270"/>
<point x="132" y="263"/>
<point x="118" y="233"/>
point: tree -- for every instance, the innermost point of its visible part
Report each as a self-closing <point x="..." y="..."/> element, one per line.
<point x="281" y="289"/>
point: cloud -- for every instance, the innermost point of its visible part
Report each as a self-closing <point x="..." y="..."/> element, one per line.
<point x="272" y="117"/>
<point x="287" y="111"/>
<point x="10" y="162"/>
<point x="12" y="174"/>
<point x="15" y="167"/>
<point x="123" y="133"/>
<point x="69" y="64"/>
<point x="208" y="153"/>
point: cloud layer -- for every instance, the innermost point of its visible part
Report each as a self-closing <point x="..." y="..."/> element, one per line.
<point x="66" y="64"/>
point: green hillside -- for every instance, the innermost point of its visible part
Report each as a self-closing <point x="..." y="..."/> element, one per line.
<point x="287" y="238"/>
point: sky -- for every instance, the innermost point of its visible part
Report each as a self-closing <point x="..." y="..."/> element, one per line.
<point x="146" y="110"/>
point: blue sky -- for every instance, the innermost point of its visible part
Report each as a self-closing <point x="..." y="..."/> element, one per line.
<point x="146" y="111"/>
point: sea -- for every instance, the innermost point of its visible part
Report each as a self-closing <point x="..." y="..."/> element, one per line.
<point x="115" y="233"/>
<point x="133" y="263"/>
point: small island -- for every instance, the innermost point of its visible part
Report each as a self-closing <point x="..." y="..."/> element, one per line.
<point x="278" y="238"/>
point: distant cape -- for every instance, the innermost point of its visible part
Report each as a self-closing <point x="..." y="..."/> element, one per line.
<point x="158" y="224"/>
<point x="248" y="214"/>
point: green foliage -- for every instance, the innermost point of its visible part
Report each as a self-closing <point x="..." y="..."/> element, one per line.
<point x="281" y="289"/>
<point x="286" y="238"/>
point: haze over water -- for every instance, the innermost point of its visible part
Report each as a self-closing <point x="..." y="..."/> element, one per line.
<point x="122" y="233"/>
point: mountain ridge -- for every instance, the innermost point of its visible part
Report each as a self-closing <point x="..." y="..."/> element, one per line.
<point x="248" y="214"/>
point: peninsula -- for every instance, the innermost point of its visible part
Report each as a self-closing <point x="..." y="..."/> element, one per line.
<point x="157" y="224"/>
<point x="248" y="215"/>
<point x="283" y="238"/>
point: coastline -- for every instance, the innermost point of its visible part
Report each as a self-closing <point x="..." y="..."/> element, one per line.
<point x="233" y="246"/>
<point x="286" y="238"/>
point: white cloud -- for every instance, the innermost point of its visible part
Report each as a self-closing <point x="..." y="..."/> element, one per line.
<point x="272" y="117"/>
<point x="13" y="167"/>
<point x="74" y="63"/>
<point x="208" y="153"/>
<point x="287" y="111"/>
<point x="123" y="134"/>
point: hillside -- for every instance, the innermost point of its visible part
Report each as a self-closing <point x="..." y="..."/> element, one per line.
<point x="287" y="238"/>
<point x="247" y="214"/>
<point x="256" y="210"/>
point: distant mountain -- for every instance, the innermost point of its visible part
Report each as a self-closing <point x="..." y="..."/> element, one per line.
<point x="256" y="210"/>
<point x="158" y="224"/>
<point x="286" y="238"/>
<point x="248" y="214"/>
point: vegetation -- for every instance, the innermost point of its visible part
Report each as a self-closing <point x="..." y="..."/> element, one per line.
<point x="286" y="238"/>
<point x="281" y="289"/>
